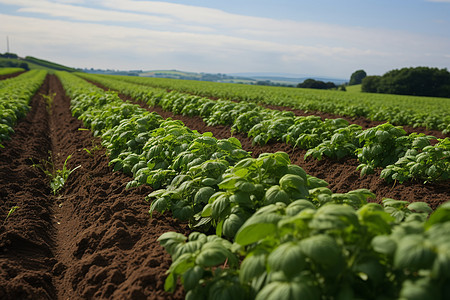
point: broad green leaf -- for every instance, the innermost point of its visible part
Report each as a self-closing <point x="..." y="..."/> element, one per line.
<point x="196" y="294"/>
<point x="420" y="207"/>
<point x="375" y="218"/>
<point x="189" y="247"/>
<point x="287" y="258"/>
<point x="209" y="182"/>
<point x="314" y="182"/>
<point x="192" y="277"/>
<point x="170" y="283"/>
<point x="182" y="211"/>
<point x="414" y="253"/>
<point x="232" y="224"/>
<point x="291" y="181"/>
<point x="440" y="215"/>
<point x="384" y="244"/>
<point x="289" y="291"/>
<point x="257" y="227"/>
<point x="195" y="236"/>
<point x="242" y="199"/>
<point x="171" y="240"/>
<point x="227" y="288"/>
<point x="275" y="194"/>
<point x="245" y="186"/>
<point x="253" y="266"/>
<point x="297" y="206"/>
<point x="297" y="170"/>
<point x="372" y="268"/>
<point x="213" y="255"/>
<point x="441" y="265"/>
<point x="420" y="289"/>
<point x="203" y="195"/>
<point x="220" y="207"/>
<point x="322" y="250"/>
<point x="334" y="216"/>
<point x="159" y="205"/>
<point x="229" y="183"/>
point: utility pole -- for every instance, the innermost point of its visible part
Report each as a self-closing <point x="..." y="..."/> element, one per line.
<point x="7" y="44"/>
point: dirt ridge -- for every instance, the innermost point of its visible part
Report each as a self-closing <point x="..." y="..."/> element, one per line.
<point x="94" y="240"/>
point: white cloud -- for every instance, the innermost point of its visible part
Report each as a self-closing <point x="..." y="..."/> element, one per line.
<point x="150" y="35"/>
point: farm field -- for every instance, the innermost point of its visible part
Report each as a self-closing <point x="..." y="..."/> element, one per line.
<point x="95" y="237"/>
<point x="333" y="138"/>
<point x="9" y="72"/>
<point x="89" y="240"/>
<point x="426" y="112"/>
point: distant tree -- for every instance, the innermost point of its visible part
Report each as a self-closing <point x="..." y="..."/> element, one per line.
<point x="316" y="84"/>
<point x="419" y="81"/>
<point x="330" y="85"/>
<point x="370" y="84"/>
<point x="263" y="82"/>
<point x="357" y="77"/>
<point x="24" y="66"/>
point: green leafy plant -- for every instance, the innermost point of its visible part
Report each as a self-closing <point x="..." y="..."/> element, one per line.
<point x="422" y="162"/>
<point x="206" y="266"/>
<point x="58" y="177"/>
<point x="49" y="100"/>
<point x="299" y="251"/>
<point x="15" y="94"/>
<point x="381" y="146"/>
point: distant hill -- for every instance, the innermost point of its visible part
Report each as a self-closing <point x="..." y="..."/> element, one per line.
<point x="274" y="79"/>
<point x="13" y="60"/>
<point x="47" y="64"/>
<point x="289" y="78"/>
<point x="176" y="74"/>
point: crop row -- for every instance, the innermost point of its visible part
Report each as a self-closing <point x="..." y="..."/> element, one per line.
<point x="15" y="95"/>
<point x="403" y="157"/>
<point x="297" y="239"/>
<point x="7" y="71"/>
<point x="429" y="112"/>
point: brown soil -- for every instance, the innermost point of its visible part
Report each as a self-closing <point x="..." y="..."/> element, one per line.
<point x="11" y="75"/>
<point x="95" y="240"/>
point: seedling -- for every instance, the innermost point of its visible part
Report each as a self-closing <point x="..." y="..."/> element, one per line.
<point x="11" y="211"/>
<point x="49" y="100"/>
<point x="58" y="177"/>
<point x="95" y="147"/>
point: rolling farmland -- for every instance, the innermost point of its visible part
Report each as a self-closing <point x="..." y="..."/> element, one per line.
<point x="231" y="198"/>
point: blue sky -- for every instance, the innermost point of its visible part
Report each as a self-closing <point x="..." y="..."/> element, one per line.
<point x="318" y="38"/>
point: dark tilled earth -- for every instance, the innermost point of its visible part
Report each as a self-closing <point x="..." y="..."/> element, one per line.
<point x="10" y="75"/>
<point x="96" y="240"/>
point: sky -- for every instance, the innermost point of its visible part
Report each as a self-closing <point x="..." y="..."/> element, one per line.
<point x="327" y="38"/>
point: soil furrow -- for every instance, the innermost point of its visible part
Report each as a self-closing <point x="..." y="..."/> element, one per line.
<point x="26" y="244"/>
<point x="11" y="75"/>
<point x="94" y="239"/>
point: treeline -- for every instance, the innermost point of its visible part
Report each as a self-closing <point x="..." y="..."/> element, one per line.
<point x="419" y="81"/>
<point x="318" y="84"/>
<point x="12" y="61"/>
